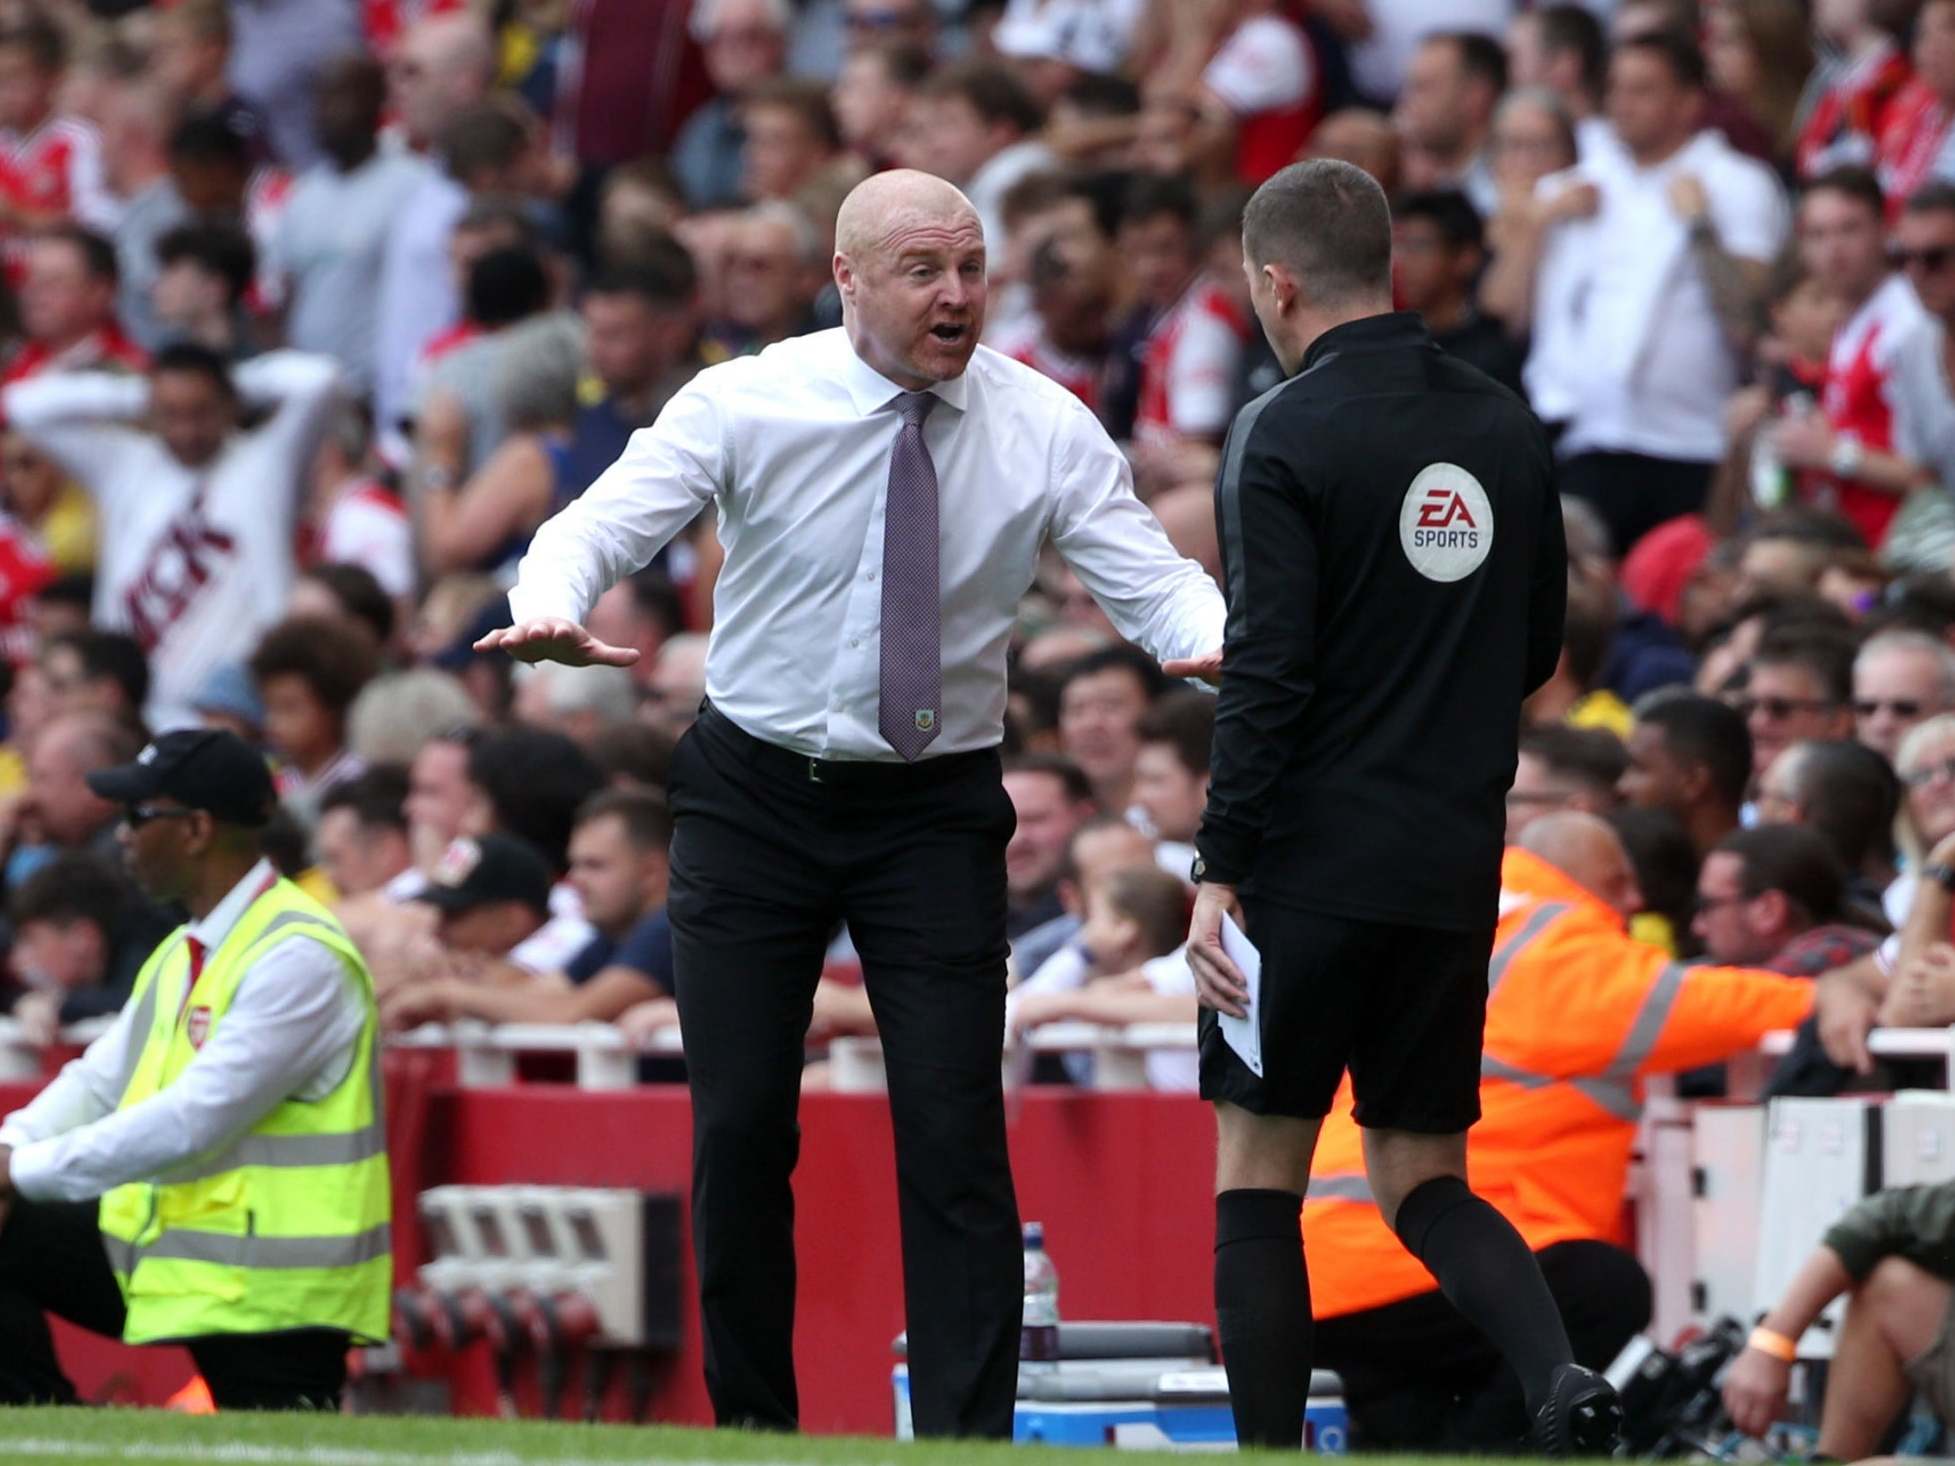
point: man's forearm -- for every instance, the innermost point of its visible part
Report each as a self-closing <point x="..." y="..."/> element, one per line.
<point x="1737" y="286"/>
<point x="1820" y="1279"/>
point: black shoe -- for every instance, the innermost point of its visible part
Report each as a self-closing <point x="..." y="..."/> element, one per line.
<point x="1582" y="1416"/>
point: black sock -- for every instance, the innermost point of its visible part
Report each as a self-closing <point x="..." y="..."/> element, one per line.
<point x="1262" y="1307"/>
<point x="1487" y="1273"/>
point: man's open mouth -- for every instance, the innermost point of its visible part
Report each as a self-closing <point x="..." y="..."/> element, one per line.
<point x="950" y="332"/>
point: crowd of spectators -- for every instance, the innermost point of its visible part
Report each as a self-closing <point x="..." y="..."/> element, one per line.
<point x="314" y="310"/>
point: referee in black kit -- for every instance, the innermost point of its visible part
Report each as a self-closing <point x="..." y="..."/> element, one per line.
<point x="883" y="491"/>
<point x="1396" y="581"/>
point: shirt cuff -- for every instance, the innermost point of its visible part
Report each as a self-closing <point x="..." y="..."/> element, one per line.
<point x="32" y="1172"/>
<point x="1226" y="855"/>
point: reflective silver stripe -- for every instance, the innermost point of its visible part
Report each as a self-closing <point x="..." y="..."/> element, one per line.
<point x="1348" y="1186"/>
<point x="1613" y="1094"/>
<point x="1492" y="1068"/>
<point x="1530" y="929"/>
<point x="1641" y="1039"/>
<point x="139" y="1026"/>
<point x="285" y="1151"/>
<point x="270" y="1252"/>
<point x="122" y="1254"/>
<point x="295" y="918"/>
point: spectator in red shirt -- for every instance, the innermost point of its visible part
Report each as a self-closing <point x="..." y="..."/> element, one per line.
<point x="50" y="166"/>
<point x="1846" y="122"/>
<point x="1066" y="244"/>
<point x="1914" y="140"/>
<point x="67" y="307"/>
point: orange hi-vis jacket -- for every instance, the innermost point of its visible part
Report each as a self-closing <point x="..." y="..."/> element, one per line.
<point x="1577" y="1013"/>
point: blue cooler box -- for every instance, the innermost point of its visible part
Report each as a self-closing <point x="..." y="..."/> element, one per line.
<point x="1172" y="1396"/>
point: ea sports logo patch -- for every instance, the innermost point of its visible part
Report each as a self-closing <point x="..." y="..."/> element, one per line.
<point x="1446" y="523"/>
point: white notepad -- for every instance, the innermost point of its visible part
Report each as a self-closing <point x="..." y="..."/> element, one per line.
<point x="1245" y="1034"/>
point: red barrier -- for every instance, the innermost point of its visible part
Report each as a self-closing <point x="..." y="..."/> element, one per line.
<point x="1122" y="1182"/>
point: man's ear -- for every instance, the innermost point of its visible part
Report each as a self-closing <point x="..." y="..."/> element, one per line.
<point x="1774" y="910"/>
<point x="844" y="272"/>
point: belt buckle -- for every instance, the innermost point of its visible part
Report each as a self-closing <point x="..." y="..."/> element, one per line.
<point x="814" y="771"/>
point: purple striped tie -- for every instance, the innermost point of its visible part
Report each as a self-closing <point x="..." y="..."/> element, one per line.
<point x="910" y="708"/>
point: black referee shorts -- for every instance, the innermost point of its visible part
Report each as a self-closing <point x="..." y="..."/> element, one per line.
<point x="1403" y="1007"/>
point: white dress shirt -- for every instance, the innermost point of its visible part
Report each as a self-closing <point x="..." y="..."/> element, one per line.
<point x="794" y="446"/>
<point x="1628" y="349"/>
<point x="291" y="1032"/>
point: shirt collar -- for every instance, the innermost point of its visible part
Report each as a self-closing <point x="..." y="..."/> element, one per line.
<point x="227" y="913"/>
<point x="1369" y="333"/>
<point x="869" y="389"/>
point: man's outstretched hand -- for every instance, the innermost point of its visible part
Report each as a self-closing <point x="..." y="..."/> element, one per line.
<point x="1207" y="666"/>
<point x="552" y="640"/>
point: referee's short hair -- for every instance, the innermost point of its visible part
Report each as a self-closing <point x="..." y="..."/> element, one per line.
<point x="1328" y="223"/>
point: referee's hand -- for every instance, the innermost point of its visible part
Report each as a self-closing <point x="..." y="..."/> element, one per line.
<point x="553" y="640"/>
<point x="1219" y="983"/>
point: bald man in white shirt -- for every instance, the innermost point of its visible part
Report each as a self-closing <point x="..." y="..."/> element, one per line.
<point x="845" y="766"/>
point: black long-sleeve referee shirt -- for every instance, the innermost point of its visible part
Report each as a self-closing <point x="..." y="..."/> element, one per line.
<point x="1397" y="578"/>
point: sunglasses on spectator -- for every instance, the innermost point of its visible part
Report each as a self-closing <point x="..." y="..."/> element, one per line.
<point x="138" y="815"/>
<point x="1900" y="707"/>
<point x="1776" y="708"/>
<point x="1933" y="259"/>
<point x="1705" y="905"/>
<point x="1922" y="777"/>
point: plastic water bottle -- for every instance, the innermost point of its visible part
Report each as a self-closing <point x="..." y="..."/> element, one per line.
<point x="1038" y="1341"/>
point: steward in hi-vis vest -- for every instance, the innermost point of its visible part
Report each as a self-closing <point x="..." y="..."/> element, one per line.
<point x="213" y="1170"/>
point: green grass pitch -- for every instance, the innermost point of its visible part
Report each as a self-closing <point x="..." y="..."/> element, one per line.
<point x="158" y="1438"/>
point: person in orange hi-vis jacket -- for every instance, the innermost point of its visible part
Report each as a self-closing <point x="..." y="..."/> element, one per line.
<point x="1578" y="1012"/>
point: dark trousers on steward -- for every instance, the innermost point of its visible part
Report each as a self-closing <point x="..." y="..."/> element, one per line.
<point x="1418" y="1377"/>
<point x="770" y="850"/>
<point x="52" y="1261"/>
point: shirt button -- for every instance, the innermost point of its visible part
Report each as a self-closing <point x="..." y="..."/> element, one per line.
<point x="855" y="641"/>
<point x="870" y="575"/>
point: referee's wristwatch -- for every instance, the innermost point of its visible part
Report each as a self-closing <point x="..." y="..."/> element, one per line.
<point x="1941" y="875"/>
<point x="1198" y="872"/>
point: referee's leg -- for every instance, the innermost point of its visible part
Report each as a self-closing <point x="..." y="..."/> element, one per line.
<point x="926" y="907"/>
<point x="751" y="910"/>
<point x="51" y="1261"/>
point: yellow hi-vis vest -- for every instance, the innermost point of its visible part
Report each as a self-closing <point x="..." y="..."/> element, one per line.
<point x="285" y="1227"/>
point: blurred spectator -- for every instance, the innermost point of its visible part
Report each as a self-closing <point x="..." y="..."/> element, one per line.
<point x="1194" y="340"/>
<point x="229" y="700"/>
<point x="90" y="671"/>
<point x="354" y="520"/>
<point x="1361" y="137"/>
<point x="1102" y="698"/>
<point x="81" y="933"/>
<point x="50" y="165"/>
<point x="362" y="832"/>
<point x="309" y="671"/>
<point x="1531" y="140"/>
<point x="57" y="811"/>
<point x="619" y="865"/>
<point x="348" y="596"/>
<point x="1438" y="255"/>
<point x="977" y="126"/>
<point x="1092" y="123"/>
<point x="1842" y="241"/>
<point x="1689" y="756"/>
<point x="389" y="721"/>
<point x="1171" y="767"/>
<point x="191" y="61"/>
<point x="67" y="304"/>
<point x="1911" y="146"/>
<point x="1123" y="967"/>
<point x="491" y="894"/>
<point x="204" y="272"/>
<point x="1071" y="276"/>
<point x="198" y="515"/>
<point x="332" y="238"/>
<point x="1774" y="897"/>
<point x="279" y="50"/>
<point x="1445" y="114"/>
<point x="643" y="612"/>
<point x="1561" y="50"/>
<point x="1900" y="679"/>
<point x="210" y="180"/>
<point x="629" y="74"/>
<point x="1563" y="768"/>
<point x="677" y="684"/>
<point x="1637" y="303"/>
<point x="1051" y="797"/>
<point x="872" y="99"/>
<point x="1759" y="55"/>
<point x="443" y="64"/>
<point x="889" y="22"/>
<point x="773" y="269"/>
<point x="1575" y="694"/>
<point x="1849" y="797"/>
<point x="790" y="134"/>
<point x="1922" y="534"/>
<point x="744" y="43"/>
<point x="578" y="702"/>
<point x="1100" y="845"/>
<point x="1852" y="109"/>
<point x="1801" y="687"/>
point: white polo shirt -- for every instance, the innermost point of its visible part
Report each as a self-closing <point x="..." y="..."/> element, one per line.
<point x="1628" y="350"/>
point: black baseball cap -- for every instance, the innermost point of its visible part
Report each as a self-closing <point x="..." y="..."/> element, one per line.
<point x="200" y="768"/>
<point x="474" y="873"/>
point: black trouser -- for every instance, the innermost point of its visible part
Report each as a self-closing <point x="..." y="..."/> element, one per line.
<point x="766" y="858"/>
<point x="52" y="1261"/>
<point x="1418" y="1376"/>
<point x="1634" y="493"/>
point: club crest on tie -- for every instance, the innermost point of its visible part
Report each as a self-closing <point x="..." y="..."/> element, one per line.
<point x="926" y="719"/>
<point x="197" y="1026"/>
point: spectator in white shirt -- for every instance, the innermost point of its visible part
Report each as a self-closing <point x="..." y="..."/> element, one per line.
<point x="1924" y="403"/>
<point x="1638" y="303"/>
<point x="1445" y="115"/>
<point x="332" y="241"/>
<point x="197" y="514"/>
